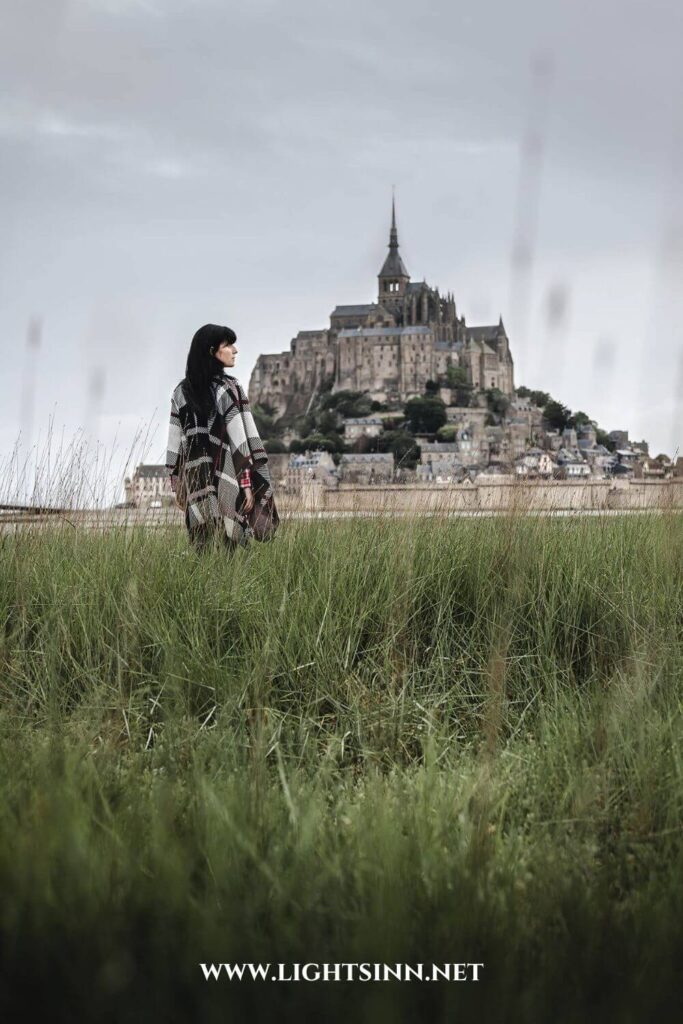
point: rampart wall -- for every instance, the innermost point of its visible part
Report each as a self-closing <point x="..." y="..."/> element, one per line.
<point x="488" y="498"/>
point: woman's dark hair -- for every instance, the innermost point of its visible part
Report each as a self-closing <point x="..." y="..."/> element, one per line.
<point x="202" y="367"/>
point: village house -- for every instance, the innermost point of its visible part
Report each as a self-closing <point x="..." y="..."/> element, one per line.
<point x="500" y="471"/>
<point x="439" y="460"/>
<point x="437" y="448"/>
<point x="535" y="463"/>
<point x="627" y="456"/>
<point x="473" y="445"/>
<point x="570" y="464"/>
<point x="308" y="466"/>
<point x="466" y="416"/>
<point x="149" y="487"/>
<point x="376" y="467"/>
<point x="657" y="468"/>
<point x="368" y="426"/>
<point x="444" y="472"/>
<point x="571" y="470"/>
<point x="600" y="459"/>
<point x="586" y="437"/>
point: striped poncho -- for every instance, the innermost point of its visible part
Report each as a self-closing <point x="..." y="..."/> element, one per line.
<point x="213" y="467"/>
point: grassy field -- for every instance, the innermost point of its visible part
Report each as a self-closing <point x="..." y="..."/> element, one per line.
<point x="378" y="741"/>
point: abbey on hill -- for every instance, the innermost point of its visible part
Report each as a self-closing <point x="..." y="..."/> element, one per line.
<point x="389" y="348"/>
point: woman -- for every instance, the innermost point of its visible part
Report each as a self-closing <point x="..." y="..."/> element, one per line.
<point x="218" y="465"/>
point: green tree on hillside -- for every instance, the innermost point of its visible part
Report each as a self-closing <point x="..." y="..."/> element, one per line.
<point x="264" y="418"/>
<point x="425" y="415"/>
<point x="304" y="424"/>
<point x="456" y="380"/>
<point x="497" y="403"/>
<point x="349" y="404"/>
<point x="406" y="450"/>
<point x="556" y="415"/>
<point x="539" y="398"/>
<point x="328" y="422"/>
<point x="319" y="442"/>
<point x="580" y="419"/>
<point x="602" y="437"/>
<point x="273" y="445"/>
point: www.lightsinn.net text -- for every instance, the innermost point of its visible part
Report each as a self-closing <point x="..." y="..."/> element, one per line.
<point x="342" y="972"/>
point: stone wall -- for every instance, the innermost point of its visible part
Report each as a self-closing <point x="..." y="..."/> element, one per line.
<point x="501" y="496"/>
<point x="396" y="499"/>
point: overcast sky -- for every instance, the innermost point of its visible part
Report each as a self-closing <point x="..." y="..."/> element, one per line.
<point x="167" y="163"/>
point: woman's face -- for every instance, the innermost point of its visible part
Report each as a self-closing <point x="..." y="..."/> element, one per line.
<point x="226" y="353"/>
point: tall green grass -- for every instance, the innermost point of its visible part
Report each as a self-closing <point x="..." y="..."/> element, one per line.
<point x="419" y="740"/>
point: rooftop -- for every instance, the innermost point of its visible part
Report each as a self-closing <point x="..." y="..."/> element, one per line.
<point x="365" y="420"/>
<point x="394" y="265"/>
<point x="300" y="461"/>
<point x="369" y="457"/>
<point x="488" y="332"/>
<point x="369" y="332"/>
<point x="151" y="471"/>
<point x="359" y="310"/>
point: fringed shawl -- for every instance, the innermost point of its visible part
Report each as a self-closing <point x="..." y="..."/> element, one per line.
<point x="212" y="465"/>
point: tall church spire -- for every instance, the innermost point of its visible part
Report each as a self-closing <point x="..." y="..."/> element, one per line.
<point x="393" y="265"/>
<point x="393" y="234"/>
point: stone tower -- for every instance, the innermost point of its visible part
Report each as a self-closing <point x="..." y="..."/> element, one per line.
<point x="393" y="278"/>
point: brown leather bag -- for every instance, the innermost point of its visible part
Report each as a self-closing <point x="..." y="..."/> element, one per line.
<point x="263" y="520"/>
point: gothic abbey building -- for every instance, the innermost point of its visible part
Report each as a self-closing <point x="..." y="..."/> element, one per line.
<point x="389" y="348"/>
